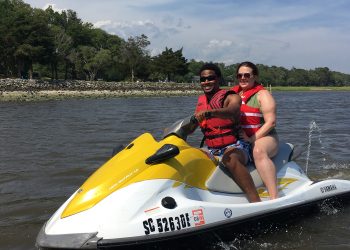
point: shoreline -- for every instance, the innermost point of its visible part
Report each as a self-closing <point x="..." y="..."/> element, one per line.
<point x="44" y="95"/>
<point x="21" y="90"/>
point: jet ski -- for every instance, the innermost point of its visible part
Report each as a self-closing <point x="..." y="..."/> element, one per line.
<point x="157" y="190"/>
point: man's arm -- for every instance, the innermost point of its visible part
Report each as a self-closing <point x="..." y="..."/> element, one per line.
<point x="230" y="109"/>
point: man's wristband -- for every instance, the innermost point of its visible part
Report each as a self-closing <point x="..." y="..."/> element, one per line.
<point x="207" y="114"/>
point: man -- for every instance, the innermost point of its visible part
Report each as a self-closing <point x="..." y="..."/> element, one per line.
<point x="218" y="113"/>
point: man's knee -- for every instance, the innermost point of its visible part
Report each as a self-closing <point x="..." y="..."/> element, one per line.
<point x="232" y="160"/>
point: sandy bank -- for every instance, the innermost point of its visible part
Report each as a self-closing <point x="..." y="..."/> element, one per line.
<point x="36" y="90"/>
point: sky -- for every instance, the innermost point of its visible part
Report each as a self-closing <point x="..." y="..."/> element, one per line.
<point x="301" y="34"/>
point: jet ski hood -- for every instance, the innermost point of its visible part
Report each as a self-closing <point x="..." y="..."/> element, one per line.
<point x="137" y="162"/>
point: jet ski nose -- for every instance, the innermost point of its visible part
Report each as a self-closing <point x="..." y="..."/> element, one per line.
<point x="169" y="202"/>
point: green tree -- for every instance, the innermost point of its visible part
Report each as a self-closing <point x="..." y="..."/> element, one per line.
<point x="77" y="29"/>
<point x="90" y="60"/>
<point x="62" y="48"/>
<point x="133" y="53"/>
<point x="25" y="37"/>
<point x="193" y="71"/>
<point x="229" y="73"/>
<point x="275" y="76"/>
<point x="324" y="76"/>
<point x="170" y="63"/>
<point x="80" y="34"/>
<point x="7" y="36"/>
<point x="99" y="38"/>
<point x="340" y="79"/>
<point x="34" y="39"/>
<point x="298" y="77"/>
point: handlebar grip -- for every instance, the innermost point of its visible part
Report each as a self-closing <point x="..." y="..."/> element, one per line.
<point x="194" y="120"/>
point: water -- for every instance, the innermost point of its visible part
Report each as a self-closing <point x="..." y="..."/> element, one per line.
<point x="312" y="128"/>
<point x="47" y="150"/>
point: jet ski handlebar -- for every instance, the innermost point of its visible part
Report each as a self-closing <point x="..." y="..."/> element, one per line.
<point x="182" y="128"/>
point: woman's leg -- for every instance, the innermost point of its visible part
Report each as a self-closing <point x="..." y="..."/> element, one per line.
<point x="263" y="149"/>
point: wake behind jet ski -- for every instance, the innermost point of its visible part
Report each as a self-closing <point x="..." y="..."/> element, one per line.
<point x="157" y="190"/>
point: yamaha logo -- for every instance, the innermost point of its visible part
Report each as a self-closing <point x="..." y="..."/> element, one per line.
<point x="328" y="188"/>
<point x="228" y="213"/>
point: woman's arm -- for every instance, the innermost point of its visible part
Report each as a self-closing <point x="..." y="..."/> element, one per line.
<point x="268" y="109"/>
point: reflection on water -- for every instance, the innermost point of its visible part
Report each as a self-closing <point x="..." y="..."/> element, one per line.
<point x="49" y="148"/>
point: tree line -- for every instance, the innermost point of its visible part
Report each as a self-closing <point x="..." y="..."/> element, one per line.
<point x="36" y="43"/>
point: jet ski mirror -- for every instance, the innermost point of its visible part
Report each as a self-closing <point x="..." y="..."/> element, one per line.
<point x="167" y="151"/>
<point x="182" y="128"/>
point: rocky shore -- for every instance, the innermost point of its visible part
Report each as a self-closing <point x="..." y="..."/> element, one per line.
<point x="35" y="90"/>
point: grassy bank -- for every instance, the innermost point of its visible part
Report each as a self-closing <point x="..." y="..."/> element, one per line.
<point x="304" y="88"/>
<point x="309" y="88"/>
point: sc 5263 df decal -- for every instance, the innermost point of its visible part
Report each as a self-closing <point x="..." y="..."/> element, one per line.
<point x="166" y="224"/>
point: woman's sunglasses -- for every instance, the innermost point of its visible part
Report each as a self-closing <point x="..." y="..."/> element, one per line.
<point x="208" y="78"/>
<point x="245" y="75"/>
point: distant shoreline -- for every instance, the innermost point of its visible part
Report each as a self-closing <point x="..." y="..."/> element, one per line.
<point x="18" y="90"/>
<point x="25" y="96"/>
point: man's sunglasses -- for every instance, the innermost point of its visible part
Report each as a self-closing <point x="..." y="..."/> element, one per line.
<point x="245" y="75"/>
<point x="207" y="78"/>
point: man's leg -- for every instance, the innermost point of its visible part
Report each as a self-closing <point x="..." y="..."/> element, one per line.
<point x="234" y="160"/>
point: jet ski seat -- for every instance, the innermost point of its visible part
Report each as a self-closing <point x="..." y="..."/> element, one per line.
<point x="221" y="179"/>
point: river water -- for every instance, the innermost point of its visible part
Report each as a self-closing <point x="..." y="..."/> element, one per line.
<point x="48" y="149"/>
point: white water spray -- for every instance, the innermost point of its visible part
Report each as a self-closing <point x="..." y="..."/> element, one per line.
<point x="312" y="127"/>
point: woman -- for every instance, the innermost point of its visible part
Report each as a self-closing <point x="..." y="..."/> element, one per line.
<point x="258" y="121"/>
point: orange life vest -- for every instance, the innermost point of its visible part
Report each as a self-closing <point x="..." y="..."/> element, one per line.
<point x="218" y="132"/>
<point x="251" y="118"/>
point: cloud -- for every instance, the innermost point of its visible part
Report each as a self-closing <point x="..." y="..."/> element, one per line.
<point x="102" y="24"/>
<point x="162" y="33"/>
<point x="53" y="7"/>
<point x="126" y="29"/>
<point x="216" y="43"/>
